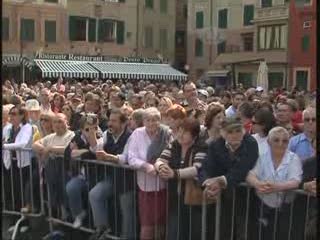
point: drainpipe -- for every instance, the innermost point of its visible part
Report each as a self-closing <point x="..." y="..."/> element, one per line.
<point x="138" y="29"/>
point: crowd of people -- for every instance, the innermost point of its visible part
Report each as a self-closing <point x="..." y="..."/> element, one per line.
<point x="182" y="141"/>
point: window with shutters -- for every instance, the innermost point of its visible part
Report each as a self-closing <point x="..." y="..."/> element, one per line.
<point x="52" y="1"/>
<point x="248" y="13"/>
<point x="247" y="40"/>
<point x="223" y="18"/>
<point x="5" y="29"/>
<point x="275" y="80"/>
<point x="198" y="48"/>
<point x="272" y="37"/>
<point x="163" y="6"/>
<point x="266" y="3"/>
<point x="50" y="31"/>
<point x="149" y="4"/>
<point x="107" y="30"/>
<point x="305" y="43"/>
<point x="302" y="78"/>
<point x="221" y="47"/>
<point x="77" y="28"/>
<point x="199" y="20"/>
<point x="148" y="37"/>
<point x="27" y="30"/>
<point x="245" y="79"/>
<point x="163" y="40"/>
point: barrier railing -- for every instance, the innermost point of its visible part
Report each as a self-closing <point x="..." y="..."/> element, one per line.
<point x="107" y="195"/>
<point x="22" y="194"/>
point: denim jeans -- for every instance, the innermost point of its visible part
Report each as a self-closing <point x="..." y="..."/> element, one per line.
<point x="98" y="197"/>
<point x="76" y="189"/>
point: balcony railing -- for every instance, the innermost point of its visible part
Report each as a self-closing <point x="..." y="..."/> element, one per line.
<point x="272" y="13"/>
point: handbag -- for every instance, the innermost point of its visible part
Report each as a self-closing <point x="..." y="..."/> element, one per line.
<point x="193" y="194"/>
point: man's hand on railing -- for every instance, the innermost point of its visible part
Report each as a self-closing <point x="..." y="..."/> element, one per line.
<point x="103" y="156"/>
<point x="149" y="169"/>
<point x="311" y="187"/>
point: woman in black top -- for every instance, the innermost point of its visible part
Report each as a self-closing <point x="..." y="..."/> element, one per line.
<point x="77" y="187"/>
<point x="179" y="162"/>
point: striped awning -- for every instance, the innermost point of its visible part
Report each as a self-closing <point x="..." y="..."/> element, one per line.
<point x="15" y="59"/>
<point x="66" y="69"/>
<point x="120" y="70"/>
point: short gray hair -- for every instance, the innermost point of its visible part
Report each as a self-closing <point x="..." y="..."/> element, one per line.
<point x="151" y="112"/>
<point x="276" y="131"/>
<point x="138" y="115"/>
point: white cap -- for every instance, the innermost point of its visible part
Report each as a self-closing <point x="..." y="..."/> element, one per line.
<point x="203" y="92"/>
<point x="32" y="105"/>
<point x="259" y="89"/>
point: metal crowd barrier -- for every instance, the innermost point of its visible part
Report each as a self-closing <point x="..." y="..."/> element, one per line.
<point x="21" y="187"/>
<point x="231" y="217"/>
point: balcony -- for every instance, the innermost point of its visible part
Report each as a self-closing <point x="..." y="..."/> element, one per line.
<point x="280" y="12"/>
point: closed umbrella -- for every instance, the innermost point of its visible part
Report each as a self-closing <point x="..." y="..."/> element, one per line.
<point x="262" y="78"/>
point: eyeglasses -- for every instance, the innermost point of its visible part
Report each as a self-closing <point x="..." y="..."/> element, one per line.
<point x="88" y="129"/>
<point x="309" y="120"/>
<point x="278" y="140"/>
<point x="44" y="119"/>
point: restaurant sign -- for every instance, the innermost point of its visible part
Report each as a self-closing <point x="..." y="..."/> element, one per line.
<point x="75" y="57"/>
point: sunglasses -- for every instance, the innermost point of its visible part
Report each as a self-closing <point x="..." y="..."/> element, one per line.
<point x="278" y="140"/>
<point x="309" y="120"/>
<point x="254" y="123"/>
<point x="88" y="129"/>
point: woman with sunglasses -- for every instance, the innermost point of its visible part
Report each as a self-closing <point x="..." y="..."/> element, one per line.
<point x="16" y="159"/>
<point x="277" y="171"/>
<point x="79" y="146"/>
<point x="45" y="126"/>
<point x="262" y="122"/>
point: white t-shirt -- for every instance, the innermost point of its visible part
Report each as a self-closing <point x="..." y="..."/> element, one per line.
<point x="57" y="141"/>
<point x="262" y="143"/>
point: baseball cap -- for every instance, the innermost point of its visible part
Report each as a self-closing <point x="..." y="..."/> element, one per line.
<point x="259" y="89"/>
<point x="231" y="123"/>
<point x="32" y="105"/>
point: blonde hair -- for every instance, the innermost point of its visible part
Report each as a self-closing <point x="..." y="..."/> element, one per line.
<point x="151" y="112"/>
<point x="276" y="131"/>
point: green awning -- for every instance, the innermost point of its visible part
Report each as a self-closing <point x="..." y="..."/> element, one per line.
<point x="122" y="70"/>
<point x="15" y="59"/>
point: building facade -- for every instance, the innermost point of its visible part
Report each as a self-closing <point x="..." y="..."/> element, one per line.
<point x="302" y="44"/>
<point x="90" y="27"/>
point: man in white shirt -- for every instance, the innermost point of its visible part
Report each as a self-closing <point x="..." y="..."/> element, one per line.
<point x="237" y="99"/>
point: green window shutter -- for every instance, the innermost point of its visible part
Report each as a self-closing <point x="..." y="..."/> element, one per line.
<point x="266" y="3"/>
<point x="5" y="29"/>
<point x="302" y="80"/>
<point x="101" y="30"/>
<point x="248" y="13"/>
<point x="221" y="48"/>
<point x="199" y="48"/>
<point x="149" y="4"/>
<point x="122" y="1"/>
<point x="275" y="80"/>
<point x="120" y="32"/>
<point x="92" y="29"/>
<point x="50" y="31"/>
<point x="27" y="30"/>
<point x="199" y="20"/>
<point x="245" y="79"/>
<point x="163" y="6"/>
<point x="72" y="28"/>
<point x="148" y="37"/>
<point x="223" y="18"/>
<point x="305" y="43"/>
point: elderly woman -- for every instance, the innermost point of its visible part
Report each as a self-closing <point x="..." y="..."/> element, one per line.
<point x="178" y="163"/>
<point x="51" y="150"/>
<point x="146" y="145"/>
<point x="262" y="122"/>
<point x="15" y="158"/>
<point x="176" y="115"/>
<point x="276" y="172"/>
<point x="213" y="121"/>
<point x="164" y="104"/>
